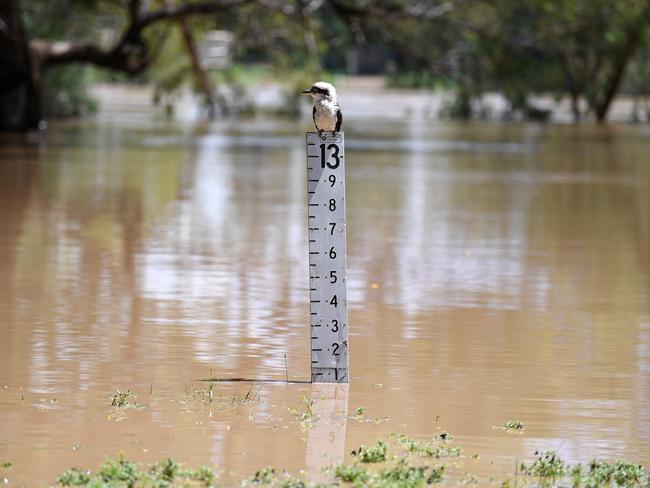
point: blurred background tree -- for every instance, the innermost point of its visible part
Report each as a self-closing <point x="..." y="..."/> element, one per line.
<point x="584" y="50"/>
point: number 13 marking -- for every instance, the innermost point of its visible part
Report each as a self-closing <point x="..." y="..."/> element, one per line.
<point x="335" y="155"/>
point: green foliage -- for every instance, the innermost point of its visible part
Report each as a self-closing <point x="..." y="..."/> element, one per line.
<point x="400" y="470"/>
<point x="372" y="454"/>
<point x="122" y="472"/>
<point x="352" y="474"/>
<point x="264" y="476"/>
<point x="513" y="425"/>
<point x="404" y="475"/>
<point x="74" y="477"/>
<point x="547" y="466"/>
<point x="65" y="92"/>
<point x="621" y="473"/>
<point x="434" y="449"/>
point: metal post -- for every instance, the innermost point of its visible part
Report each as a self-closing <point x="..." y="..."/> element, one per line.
<point x="328" y="304"/>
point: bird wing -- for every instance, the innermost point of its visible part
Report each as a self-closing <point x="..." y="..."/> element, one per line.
<point x="313" y="116"/>
<point x="339" y="119"/>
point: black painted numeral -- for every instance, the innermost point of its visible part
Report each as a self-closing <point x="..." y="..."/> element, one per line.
<point x="335" y="155"/>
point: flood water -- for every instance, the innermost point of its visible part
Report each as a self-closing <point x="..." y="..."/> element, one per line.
<point x="496" y="272"/>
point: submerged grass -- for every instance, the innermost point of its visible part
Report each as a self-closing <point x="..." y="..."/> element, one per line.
<point x="373" y="467"/>
<point x="207" y="396"/>
<point x="121" y="472"/>
<point x="512" y="426"/>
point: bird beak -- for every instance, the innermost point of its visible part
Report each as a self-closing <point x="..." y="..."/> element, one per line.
<point x="306" y="92"/>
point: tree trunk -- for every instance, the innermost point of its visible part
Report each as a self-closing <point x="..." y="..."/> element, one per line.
<point x="20" y="84"/>
<point x="575" y="106"/>
<point x="615" y="79"/>
<point x="199" y="72"/>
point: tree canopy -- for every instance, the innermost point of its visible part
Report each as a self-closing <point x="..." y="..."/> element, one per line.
<point x="582" y="49"/>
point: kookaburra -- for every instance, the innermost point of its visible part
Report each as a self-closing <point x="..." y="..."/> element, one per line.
<point x="327" y="113"/>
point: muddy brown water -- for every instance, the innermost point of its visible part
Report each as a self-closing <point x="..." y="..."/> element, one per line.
<point x="496" y="272"/>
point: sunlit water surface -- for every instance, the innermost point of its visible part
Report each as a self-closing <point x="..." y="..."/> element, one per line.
<point x="496" y="272"/>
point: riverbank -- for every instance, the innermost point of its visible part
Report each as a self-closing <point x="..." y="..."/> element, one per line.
<point x="362" y="98"/>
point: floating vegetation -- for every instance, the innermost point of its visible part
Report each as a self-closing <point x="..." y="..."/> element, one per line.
<point x="122" y="400"/>
<point x="512" y="426"/>
<point x="304" y="416"/>
<point x="352" y="474"/>
<point x="208" y="397"/>
<point x="122" y="472"/>
<point x="550" y="469"/>
<point x="444" y="436"/>
<point x="405" y="475"/>
<point x="436" y="449"/>
<point x="603" y="473"/>
<point x="548" y="466"/>
<point x="359" y="412"/>
<point x="6" y="465"/>
<point x="372" y="454"/>
<point x="374" y="467"/>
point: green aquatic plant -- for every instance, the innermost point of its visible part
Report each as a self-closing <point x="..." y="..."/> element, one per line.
<point x="548" y="467"/>
<point x="430" y="449"/>
<point x="120" y="398"/>
<point x="405" y="475"/>
<point x="6" y="465"/>
<point x="512" y="426"/>
<point x="376" y="466"/>
<point x="603" y="473"/>
<point x="305" y="417"/>
<point x="74" y="477"/>
<point x="352" y="474"/>
<point x="444" y="436"/>
<point x="263" y="476"/>
<point x="120" y="472"/>
<point x="372" y="454"/>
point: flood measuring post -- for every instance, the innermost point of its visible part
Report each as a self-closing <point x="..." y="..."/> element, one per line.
<point x="328" y="305"/>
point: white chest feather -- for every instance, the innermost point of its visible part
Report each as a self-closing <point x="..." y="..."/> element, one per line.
<point x="325" y="116"/>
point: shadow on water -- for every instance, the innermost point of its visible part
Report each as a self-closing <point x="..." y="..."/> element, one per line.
<point x="495" y="272"/>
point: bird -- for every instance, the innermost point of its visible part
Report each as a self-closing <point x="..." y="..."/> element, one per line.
<point x="327" y="113"/>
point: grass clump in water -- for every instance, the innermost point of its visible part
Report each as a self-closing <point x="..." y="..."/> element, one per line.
<point x="74" y="477"/>
<point x="270" y="477"/>
<point x="263" y="476"/>
<point x="603" y="473"/>
<point x="404" y="475"/>
<point x="374" y="467"/>
<point x="548" y="466"/>
<point x="512" y="426"/>
<point x="121" y="472"/>
<point x="352" y="474"/>
<point x="122" y="399"/>
<point x="372" y="454"/>
<point x="429" y="449"/>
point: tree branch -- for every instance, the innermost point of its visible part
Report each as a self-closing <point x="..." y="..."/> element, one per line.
<point x="130" y="54"/>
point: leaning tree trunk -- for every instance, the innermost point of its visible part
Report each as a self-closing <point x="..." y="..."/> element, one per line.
<point x="615" y="78"/>
<point x="20" y="90"/>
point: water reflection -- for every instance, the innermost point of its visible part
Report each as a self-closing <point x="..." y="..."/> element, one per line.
<point x="495" y="272"/>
